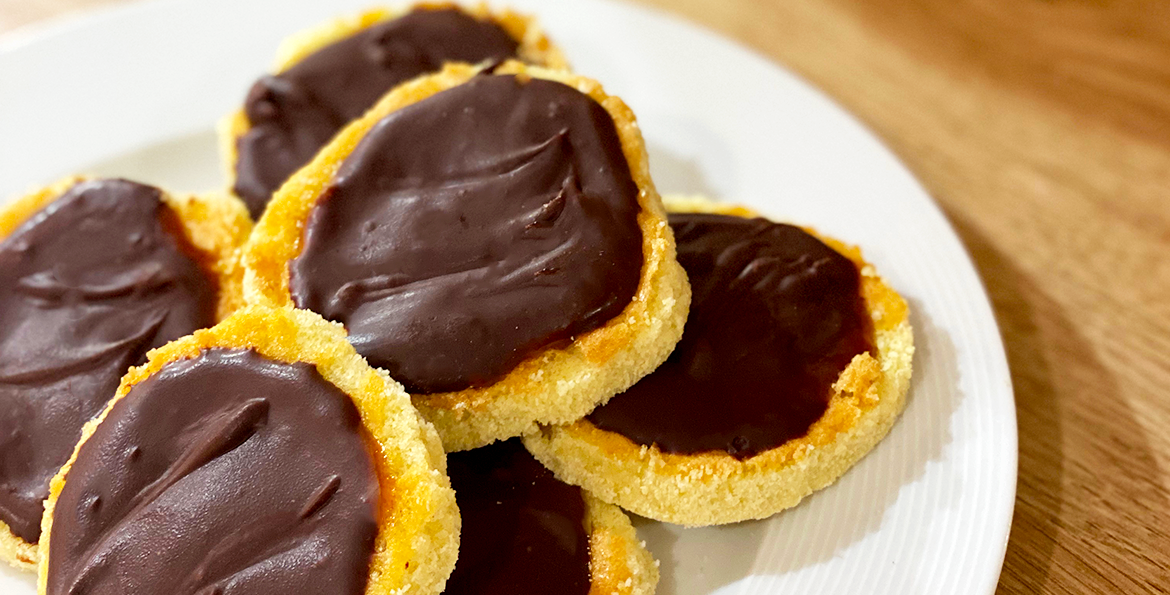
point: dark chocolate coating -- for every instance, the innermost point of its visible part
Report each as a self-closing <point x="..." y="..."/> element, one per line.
<point x="87" y="286"/>
<point x="776" y="316"/>
<point x="472" y="229"/>
<point x="523" y="530"/>
<point x="295" y="113"/>
<point x="226" y="474"/>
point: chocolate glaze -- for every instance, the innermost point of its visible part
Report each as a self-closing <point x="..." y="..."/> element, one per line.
<point x="224" y="474"/>
<point x="87" y="286"/>
<point x="295" y="113"/>
<point x="472" y="229"/>
<point x="523" y="530"/>
<point x="776" y="315"/>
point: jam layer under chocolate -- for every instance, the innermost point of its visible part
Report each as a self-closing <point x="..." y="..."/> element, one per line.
<point x="226" y="473"/>
<point x="87" y="286"/>
<point x="523" y="530"/>
<point x="776" y="316"/>
<point x="295" y="113"/>
<point x="472" y="229"/>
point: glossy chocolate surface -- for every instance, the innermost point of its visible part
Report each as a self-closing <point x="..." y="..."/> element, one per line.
<point x="523" y="530"/>
<point x="87" y="286"/>
<point x="472" y="229"/>
<point x="224" y="474"/>
<point x="776" y="316"/>
<point x="295" y="113"/>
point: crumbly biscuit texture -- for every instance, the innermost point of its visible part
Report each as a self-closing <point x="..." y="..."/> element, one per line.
<point x="418" y="536"/>
<point x="17" y="552"/>
<point x="557" y="385"/>
<point x="619" y="563"/>
<point x="216" y="225"/>
<point x="716" y="488"/>
<point x="535" y="48"/>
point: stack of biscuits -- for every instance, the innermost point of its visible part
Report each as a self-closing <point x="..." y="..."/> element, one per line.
<point x="435" y="335"/>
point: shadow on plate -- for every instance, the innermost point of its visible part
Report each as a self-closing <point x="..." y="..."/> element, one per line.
<point x="698" y="561"/>
<point x="701" y="561"/>
<point x="13" y="581"/>
<point x="678" y="175"/>
<point x="187" y="163"/>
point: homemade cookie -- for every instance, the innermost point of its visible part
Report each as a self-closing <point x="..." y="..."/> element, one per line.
<point x="93" y="274"/>
<point x="261" y="456"/>
<point x="525" y="532"/>
<point x="492" y="240"/>
<point x="794" y="364"/>
<point x="331" y="74"/>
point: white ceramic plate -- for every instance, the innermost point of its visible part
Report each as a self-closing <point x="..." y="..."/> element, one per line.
<point x="135" y="92"/>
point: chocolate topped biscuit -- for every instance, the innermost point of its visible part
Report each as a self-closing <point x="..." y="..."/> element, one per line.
<point x="524" y="532"/>
<point x="88" y="285"/>
<point x="492" y="239"/>
<point x="776" y="316"/>
<point x="225" y="473"/>
<point x="472" y="229"/>
<point x="296" y="112"/>
<point x="262" y="455"/>
<point x="794" y="363"/>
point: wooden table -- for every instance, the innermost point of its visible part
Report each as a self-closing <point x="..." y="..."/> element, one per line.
<point x="1043" y="129"/>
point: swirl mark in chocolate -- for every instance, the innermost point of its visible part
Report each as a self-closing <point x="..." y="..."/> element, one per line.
<point x="776" y="316"/>
<point x="295" y="113"/>
<point x="225" y="473"/>
<point x="87" y="286"/>
<point x="472" y="229"/>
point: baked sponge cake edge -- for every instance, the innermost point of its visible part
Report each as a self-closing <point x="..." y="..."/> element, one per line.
<point x="619" y="562"/>
<point x="714" y="488"/>
<point x="418" y="534"/>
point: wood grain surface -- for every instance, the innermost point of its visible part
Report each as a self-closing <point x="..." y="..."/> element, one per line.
<point x="1043" y="129"/>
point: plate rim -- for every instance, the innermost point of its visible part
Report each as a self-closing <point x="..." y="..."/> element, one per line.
<point x="28" y="36"/>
